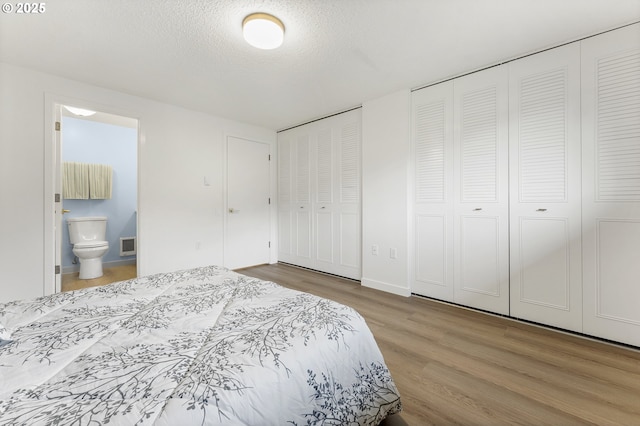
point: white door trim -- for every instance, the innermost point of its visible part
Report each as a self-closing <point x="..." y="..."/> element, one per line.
<point x="273" y="210"/>
<point x="51" y="102"/>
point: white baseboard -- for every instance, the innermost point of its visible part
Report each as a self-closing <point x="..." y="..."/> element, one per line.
<point x="389" y="288"/>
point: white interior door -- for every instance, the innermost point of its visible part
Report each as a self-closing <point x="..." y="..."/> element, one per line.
<point x="247" y="219"/>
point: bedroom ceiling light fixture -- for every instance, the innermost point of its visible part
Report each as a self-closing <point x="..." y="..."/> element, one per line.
<point x="79" y="111"/>
<point x="263" y="31"/>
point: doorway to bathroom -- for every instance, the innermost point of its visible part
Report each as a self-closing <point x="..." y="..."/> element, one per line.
<point x="97" y="162"/>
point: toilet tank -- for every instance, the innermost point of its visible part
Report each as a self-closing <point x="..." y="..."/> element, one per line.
<point x="81" y="229"/>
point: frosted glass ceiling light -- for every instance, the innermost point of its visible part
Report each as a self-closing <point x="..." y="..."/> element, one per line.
<point x="263" y="31"/>
<point x="79" y="111"/>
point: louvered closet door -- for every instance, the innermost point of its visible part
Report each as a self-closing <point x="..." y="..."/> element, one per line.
<point x="285" y="198"/>
<point x="481" y="197"/>
<point x="323" y="208"/>
<point x="545" y="227"/>
<point x="302" y="225"/>
<point x="294" y="198"/>
<point x="432" y="145"/>
<point x="337" y="195"/>
<point x="611" y="184"/>
<point x="347" y="187"/>
<point x="319" y="195"/>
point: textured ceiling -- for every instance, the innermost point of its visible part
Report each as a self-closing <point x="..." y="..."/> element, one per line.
<point x="337" y="53"/>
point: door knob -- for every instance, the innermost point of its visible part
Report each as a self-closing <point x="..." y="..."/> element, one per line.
<point x="232" y="210"/>
<point x="65" y="211"/>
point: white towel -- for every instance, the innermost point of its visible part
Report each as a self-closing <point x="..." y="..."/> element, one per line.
<point x="75" y="181"/>
<point x="100" y="181"/>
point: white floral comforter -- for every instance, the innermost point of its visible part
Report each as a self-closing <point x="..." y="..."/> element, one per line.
<point x="201" y="346"/>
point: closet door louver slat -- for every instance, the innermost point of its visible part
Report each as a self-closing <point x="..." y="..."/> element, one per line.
<point x="430" y="151"/>
<point x="543" y="139"/>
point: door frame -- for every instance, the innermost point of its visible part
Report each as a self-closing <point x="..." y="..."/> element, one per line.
<point x="52" y="179"/>
<point x="273" y="208"/>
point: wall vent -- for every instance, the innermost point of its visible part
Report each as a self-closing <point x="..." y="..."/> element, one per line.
<point x="128" y="246"/>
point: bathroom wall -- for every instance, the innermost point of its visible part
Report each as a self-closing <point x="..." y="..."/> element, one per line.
<point x="93" y="142"/>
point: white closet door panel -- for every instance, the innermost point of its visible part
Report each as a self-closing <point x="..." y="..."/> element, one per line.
<point x="432" y="145"/>
<point x="544" y="273"/>
<point x="324" y="236"/>
<point x="324" y="166"/>
<point x="350" y="159"/>
<point x="480" y="180"/>
<point x="302" y="206"/>
<point x="542" y="139"/>
<point x="433" y="275"/>
<point x="325" y="177"/>
<point x="347" y="128"/>
<point x="545" y="188"/>
<point x="285" y="182"/>
<point x="303" y="235"/>
<point x="349" y="239"/>
<point x="303" y="171"/>
<point x="284" y="171"/>
<point x="476" y="118"/>
<point x="430" y="136"/>
<point x="480" y="262"/>
<point x="284" y="234"/>
<point x="611" y="179"/>
<point x="618" y="270"/>
<point x="320" y="176"/>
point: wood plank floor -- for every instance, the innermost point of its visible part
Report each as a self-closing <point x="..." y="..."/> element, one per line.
<point x="457" y="366"/>
<point x="111" y="274"/>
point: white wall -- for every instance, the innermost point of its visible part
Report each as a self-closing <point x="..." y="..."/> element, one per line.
<point x="385" y="156"/>
<point x="175" y="210"/>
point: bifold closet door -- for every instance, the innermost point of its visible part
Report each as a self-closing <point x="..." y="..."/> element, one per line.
<point x="545" y="193"/>
<point x="319" y="195"/>
<point x="432" y="146"/>
<point x="611" y="184"/>
<point x="336" y="194"/>
<point x="347" y="129"/>
<point x="481" y="190"/>
<point x="285" y="209"/>
<point x="324" y="197"/>
<point x="294" y="199"/>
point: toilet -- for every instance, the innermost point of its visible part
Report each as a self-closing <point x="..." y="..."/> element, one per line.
<point x="87" y="234"/>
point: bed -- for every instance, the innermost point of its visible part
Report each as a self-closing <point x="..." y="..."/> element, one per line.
<point x="200" y="346"/>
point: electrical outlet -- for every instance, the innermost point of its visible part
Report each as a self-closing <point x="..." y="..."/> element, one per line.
<point x="374" y="250"/>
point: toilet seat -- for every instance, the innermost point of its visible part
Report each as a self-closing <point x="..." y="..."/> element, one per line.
<point x="91" y="244"/>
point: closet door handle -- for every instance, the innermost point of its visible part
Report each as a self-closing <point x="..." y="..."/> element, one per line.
<point x="541" y="210"/>
<point x="477" y="209"/>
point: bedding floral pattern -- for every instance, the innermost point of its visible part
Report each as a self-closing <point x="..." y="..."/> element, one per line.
<point x="200" y="346"/>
